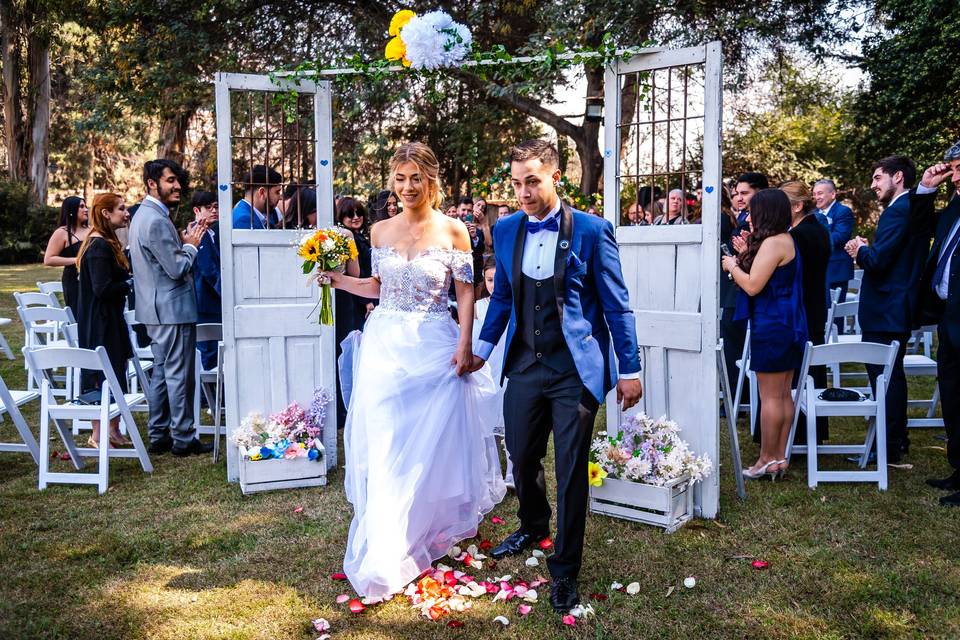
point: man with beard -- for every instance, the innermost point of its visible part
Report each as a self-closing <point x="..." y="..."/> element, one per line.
<point x="162" y="260"/>
<point x="889" y="295"/>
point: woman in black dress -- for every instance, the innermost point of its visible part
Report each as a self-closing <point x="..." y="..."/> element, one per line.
<point x="104" y="275"/>
<point x="64" y="244"/>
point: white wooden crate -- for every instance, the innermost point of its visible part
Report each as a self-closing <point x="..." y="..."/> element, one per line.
<point x="669" y="506"/>
<point x="267" y="475"/>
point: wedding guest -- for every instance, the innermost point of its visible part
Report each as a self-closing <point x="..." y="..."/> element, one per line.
<point x="466" y="212"/>
<point x="482" y="220"/>
<point x="64" y="243"/>
<point x="301" y="209"/>
<point x="592" y="210"/>
<point x="384" y="206"/>
<point x="262" y="193"/>
<point x="732" y="333"/>
<point x="813" y="243"/>
<point x="103" y="286"/>
<point x="651" y="212"/>
<point x="206" y="271"/>
<point x="503" y="211"/>
<point x="162" y="260"/>
<point x="770" y="275"/>
<point x="892" y="267"/>
<point x="839" y="221"/>
<point x="676" y="209"/>
<point x="633" y="217"/>
<point x="747" y="185"/>
<point x="940" y="295"/>
<point x="496" y="358"/>
<point x="351" y="311"/>
<point x="451" y="211"/>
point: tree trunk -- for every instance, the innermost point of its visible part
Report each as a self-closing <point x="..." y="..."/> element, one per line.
<point x="12" y="96"/>
<point x="173" y="136"/>
<point x="91" y="166"/>
<point x="39" y="66"/>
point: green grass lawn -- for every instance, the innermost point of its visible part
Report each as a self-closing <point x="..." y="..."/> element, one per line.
<point x="181" y="554"/>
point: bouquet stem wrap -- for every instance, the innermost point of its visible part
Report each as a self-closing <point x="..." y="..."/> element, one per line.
<point x="326" y="305"/>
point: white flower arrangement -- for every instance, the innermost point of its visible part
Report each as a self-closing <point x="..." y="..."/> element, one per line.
<point x="648" y="451"/>
<point x="431" y="41"/>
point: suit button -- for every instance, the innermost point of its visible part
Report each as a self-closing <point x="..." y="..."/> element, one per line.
<point x="539" y="355"/>
<point x="539" y="284"/>
<point x="537" y="308"/>
<point x="537" y="332"/>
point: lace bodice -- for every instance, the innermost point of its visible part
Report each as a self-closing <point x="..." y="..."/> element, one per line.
<point x="419" y="285"/>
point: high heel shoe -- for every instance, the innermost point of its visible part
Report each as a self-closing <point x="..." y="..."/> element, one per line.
<point x="782" y="471"/>
<point x="762" y="471"/>
<point x="119" y="440"/>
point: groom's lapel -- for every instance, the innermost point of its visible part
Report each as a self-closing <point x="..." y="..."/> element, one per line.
<point x="517" y="275"/>
<point x="564" y="242"/>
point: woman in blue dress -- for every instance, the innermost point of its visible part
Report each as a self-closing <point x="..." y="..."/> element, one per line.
<point x="769" y="274"/>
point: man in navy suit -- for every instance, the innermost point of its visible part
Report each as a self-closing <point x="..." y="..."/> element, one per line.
<point x="747" y="185"/>
<point x="258" y="208"/>
<point x="559" y="294"/>
<point x="206" y="272"/>
<point x="940" y="296"/>
<point x="839" y="221"/>
<point x="889" y="295"/>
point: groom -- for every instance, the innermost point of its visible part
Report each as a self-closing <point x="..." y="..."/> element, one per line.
<point x="559" y="293"/>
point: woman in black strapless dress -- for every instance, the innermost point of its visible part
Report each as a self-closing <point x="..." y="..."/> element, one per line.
<point x="64" y="244"/>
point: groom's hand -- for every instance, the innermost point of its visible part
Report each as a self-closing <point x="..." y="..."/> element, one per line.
<point x="477" y="363"/>
<point x="629" y="393"/>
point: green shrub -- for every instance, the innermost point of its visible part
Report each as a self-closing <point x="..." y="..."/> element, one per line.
<point x="24" y="226"/>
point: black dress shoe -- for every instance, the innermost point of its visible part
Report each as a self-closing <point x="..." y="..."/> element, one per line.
<point x="563" y="594"/>
<point x="950" y="483"/>
<point x="515" y="543"/>
<point x="194" y="447"/>
<point x="160" y="446"/>
<point x="952" y="500"/>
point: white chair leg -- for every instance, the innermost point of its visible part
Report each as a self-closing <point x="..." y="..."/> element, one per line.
<point x="44" y="462"/>
<point x="881" y="434"/>
<point x="812" y="449"/>
<point x="5" y="347"/>
<point x="754" y="404"/>
<point x="196" y="392"/>
<point x="868" y="442"/>
<point x="934" y="401"/>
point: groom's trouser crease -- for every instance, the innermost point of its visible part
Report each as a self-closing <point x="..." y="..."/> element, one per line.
<point x="537" y="400"/>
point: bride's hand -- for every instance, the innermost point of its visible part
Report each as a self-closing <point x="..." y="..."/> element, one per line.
<point x="333" y="278"/>
<point x="463" y="359"/>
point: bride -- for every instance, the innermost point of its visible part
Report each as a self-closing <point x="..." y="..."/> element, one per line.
<point x="421" y="461"/>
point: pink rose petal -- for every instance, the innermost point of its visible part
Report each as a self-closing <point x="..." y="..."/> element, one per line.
<point x="356" y="606"/>
<point x="342" y="598"/>
<point x="338" y="576"/>
<point x="569" y="620"/>
<point x="524" y="609"/>
<point x="497" y="520"/>
<point x="759" y="565"/>
<point x="299" y="509"/>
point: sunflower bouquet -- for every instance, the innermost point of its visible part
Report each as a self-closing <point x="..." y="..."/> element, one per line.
<point x="326" y="250"/>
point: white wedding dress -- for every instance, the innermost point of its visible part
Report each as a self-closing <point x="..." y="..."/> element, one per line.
<point x="421" y="460"/>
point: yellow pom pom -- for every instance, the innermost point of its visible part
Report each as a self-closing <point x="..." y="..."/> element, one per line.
<point x="399" y="21"/>
<point x="395" y="50"/>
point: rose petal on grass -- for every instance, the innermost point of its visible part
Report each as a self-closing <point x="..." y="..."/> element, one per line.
<point x="455" y="624"/>
<point x="320" y="624"/>
<point x="524" y="609"/>
<point x="502" y="620"/>
<point x="616" y="586"/>
<point x="298" y="509"/>
<point x="690" y="582"/>
<point x="338" y="576"/>
<point x="539" y="554"/>
<point x="600" y="597"/>
<point x="342" y="598"/>
<point x="356" y="606"/>
<point x="569" y="620"/>
<point x="532" y="561"/>
<point x="669" y="591"/>
<point x="497" y="520"/>
<point x="633" y="588"/>
<point x="759" y="565"/>
<point x="546" y="543"/>
<point x="486" y="545"/>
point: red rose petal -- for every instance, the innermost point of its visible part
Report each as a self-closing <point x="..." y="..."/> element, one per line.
<point x="455" y="624"/>
<point x="598" y="596"/>
<point x="486" y="545"/>
<point x="569" y="620"/>
<point x="491" y="564"/>
<point x="356" y="606"/>
<point x="546" y="543"/>
<point x="497" y="520"/>
<point x="64" y="456"/>
<point x="760" y="565"/>
<point x="338" y="576"/>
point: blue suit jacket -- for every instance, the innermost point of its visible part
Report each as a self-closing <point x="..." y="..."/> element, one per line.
<point x="244" y="217"/>
<point x="892" y="267"/>
<point x="206" y="275"/>
<point x="933" y="309"/>
<point x="591" y="296"/>
<point x="839" y="221"/>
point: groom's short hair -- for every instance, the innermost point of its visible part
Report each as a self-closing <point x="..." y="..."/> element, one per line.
<point x="536" y="148"/>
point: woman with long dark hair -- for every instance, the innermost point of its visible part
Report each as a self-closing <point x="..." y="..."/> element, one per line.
<point x="103" y="283"/>
<point x="770" y="276"/>
<point x="64" y="243"/>
<point x="384" y="206"/>
<point x="300" y="209"/>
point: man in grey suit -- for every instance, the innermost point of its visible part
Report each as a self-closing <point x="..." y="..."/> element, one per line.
<point x="162" y="260"/>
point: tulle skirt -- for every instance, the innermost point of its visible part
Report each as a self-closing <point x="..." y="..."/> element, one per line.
<point x="421" y="461"/>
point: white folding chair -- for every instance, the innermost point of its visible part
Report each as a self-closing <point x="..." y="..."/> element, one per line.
<point x="43" y="332"/>
<point x="808" y="401"/>
<point x="210" y="381"/>
<point x="37" y="322"/>
<point x="143" y="357"/>
<point x="921" y="364"/>
<point x="53" y="286"/>
<point x="745" y="375"/>
<point x="113" y="403"/>
<point x="4" y="345"/>
<point x="10" y="403"/>
<point x="846" y="313"/>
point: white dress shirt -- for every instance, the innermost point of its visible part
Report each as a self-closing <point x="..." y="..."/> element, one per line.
<point x="539" y="256"/>
<point x="943" y="287"/>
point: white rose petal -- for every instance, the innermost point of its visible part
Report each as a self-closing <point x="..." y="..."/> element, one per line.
<point x="690" y="582"/>
<point x="615" y="586"/>
<point x="633" y="588"/>
<point x="454" y="552"/>
<point x="502" y="620"/>
<point x="539" y="554"/>
<point x="532" y="561"/>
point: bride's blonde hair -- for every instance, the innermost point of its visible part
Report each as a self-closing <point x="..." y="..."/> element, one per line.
<point x="426" y="162"/>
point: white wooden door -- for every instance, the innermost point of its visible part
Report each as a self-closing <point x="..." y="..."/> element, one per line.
<point x="670" y="139"/>
<point x="275" y="351"/>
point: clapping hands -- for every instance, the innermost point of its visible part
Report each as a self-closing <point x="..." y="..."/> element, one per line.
<point x="739" y="242"/>
<point x="194" y="233"/>
<point x="853" y="246"/>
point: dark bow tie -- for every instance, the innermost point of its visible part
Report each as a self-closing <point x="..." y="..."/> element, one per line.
<point x="550" y="224"/>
